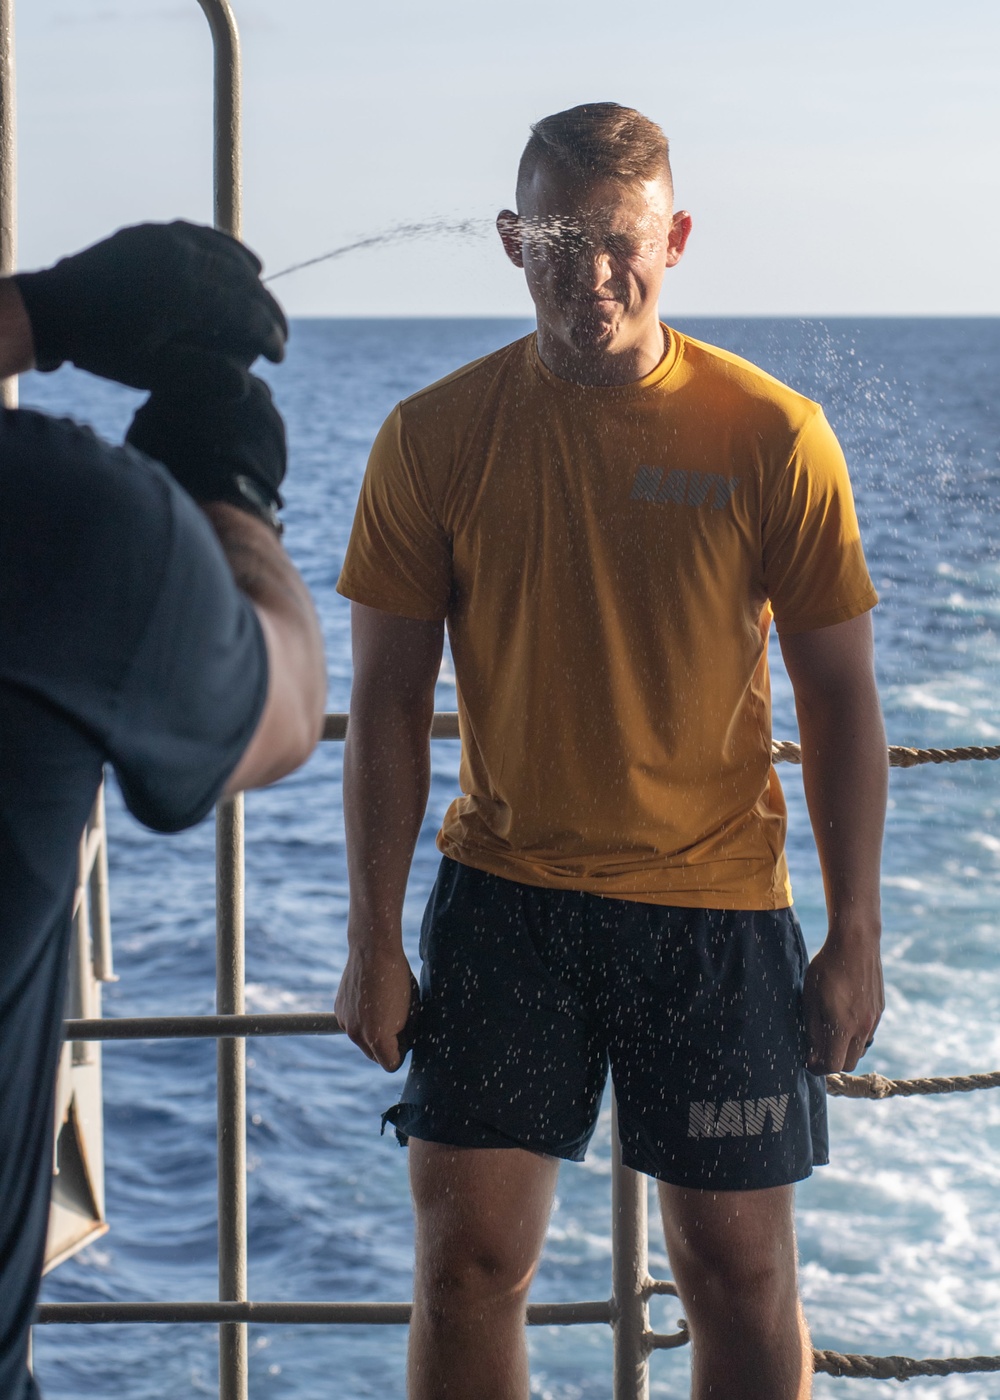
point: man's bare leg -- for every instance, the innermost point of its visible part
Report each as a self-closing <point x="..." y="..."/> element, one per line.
<point x="734" y="1261"/>
<point x="481" y="1216"/>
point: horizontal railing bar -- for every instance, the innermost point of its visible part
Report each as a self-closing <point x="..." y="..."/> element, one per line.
<point x="665" y="1341"/>
<point x="263" y="1023"/>
<point x="543" y="1314"/>
<point x="223" y="1312"/>
<point x="203" y="1027"/>
<point x="539" y="1314"/>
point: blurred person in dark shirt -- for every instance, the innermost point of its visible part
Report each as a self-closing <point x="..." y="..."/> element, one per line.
<point x="149" y="618"/>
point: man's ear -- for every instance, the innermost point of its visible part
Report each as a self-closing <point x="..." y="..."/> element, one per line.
<point x="680" y="232"/>
<point x="509" y="229"/>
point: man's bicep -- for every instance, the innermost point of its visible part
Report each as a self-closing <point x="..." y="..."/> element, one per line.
<point x="826" y="660"/>
<point x="393" y="655"/>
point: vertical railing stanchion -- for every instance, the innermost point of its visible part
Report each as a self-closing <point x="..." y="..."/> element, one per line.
<point x="231" y="1063"/>
<point x="231" y="1058"/>
<point x="100" y="904"/>
<point x="227" y="135"/>
<point x="8" y="169"/>
<point x="82" y="989"/>
<point x="8" y="202"/>
<point x="629" y="1275"/>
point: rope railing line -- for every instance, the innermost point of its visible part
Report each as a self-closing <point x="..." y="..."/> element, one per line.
<point x="785" y="751"/>
<point x="908" y="758"/>
<point x="899" y="1368"/>
<point x="876" y="1086"/>
<point x="445" y="726"/>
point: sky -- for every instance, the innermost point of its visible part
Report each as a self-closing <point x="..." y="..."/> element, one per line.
<point x="838" y="159"/>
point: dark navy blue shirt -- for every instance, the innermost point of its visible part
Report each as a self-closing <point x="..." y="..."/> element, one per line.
<point x="123" y="640"/>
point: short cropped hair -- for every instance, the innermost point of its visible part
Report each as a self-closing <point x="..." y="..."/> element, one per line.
<point x="599" y="139"/>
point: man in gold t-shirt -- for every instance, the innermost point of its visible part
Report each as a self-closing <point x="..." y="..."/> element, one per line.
<point x="607" y="515"/>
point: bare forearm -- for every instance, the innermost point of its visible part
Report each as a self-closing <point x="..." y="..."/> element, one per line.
<point x="844" y="765"/>
<point x="293" y="717"/>
<point x="17" y="349"/>
<point x="386" y="782"/>
<point x="845" y="772"/>
<point x="261" y="567"/>
<point x="845" y="775"/>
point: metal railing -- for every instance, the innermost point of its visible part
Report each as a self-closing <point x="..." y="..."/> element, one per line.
<point x="8" y="169"/>
<point x="626" y="1311"/>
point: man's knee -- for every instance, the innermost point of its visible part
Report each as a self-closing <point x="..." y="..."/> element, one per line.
<point x="756" y="1273"/>
<point x="474" y="1253"/>
<point x="481" y="1218"/>
<point x="739" y="1245"/>
<point x="473" y="1276"/>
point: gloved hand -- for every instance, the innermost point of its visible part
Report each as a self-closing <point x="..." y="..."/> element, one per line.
<point x="146" y="304"/>
<point x="219" y="448"/>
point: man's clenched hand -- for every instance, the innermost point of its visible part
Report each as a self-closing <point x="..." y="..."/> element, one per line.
<point x="843" y="1000"/>
<point x="151" y="298"/>
<point x="218" y="447"/>
<point x="377" y="1004"/>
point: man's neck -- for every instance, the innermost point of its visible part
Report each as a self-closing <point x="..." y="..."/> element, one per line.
<point x="604" y="368"/>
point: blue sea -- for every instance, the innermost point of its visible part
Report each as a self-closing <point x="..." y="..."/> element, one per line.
<point x="899" y="1237"/>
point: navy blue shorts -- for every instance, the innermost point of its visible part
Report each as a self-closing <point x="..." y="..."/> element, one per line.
<point x="528" y="994"/>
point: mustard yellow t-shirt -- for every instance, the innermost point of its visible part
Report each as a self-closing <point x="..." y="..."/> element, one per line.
<point x="608" y="560"/>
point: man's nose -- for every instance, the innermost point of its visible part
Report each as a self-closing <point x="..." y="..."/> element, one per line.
<point x="593" y="267"/>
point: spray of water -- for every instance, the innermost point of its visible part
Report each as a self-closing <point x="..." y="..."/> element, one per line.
<point x="398" y="233"/>
<point x="548" y="232"/>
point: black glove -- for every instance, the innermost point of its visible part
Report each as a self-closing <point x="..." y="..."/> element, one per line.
<point x="144" y="304"/>
<point x="219" y="448"/>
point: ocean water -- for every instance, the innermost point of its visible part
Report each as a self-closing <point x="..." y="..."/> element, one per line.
<point x="899" y="1237"/>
